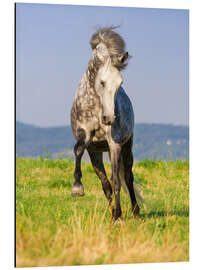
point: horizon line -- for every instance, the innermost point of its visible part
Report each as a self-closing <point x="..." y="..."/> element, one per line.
<point x="136" y="123"/>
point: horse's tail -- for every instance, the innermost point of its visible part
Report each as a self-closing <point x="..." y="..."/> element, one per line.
<point x="136" y="184"/>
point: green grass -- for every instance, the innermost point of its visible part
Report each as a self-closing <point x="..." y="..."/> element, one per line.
<point x="52" y="228"/>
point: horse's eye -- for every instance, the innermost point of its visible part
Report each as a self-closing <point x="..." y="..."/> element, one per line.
<point x="102" y="83"/>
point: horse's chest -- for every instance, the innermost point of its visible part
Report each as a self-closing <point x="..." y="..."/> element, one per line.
<point x="87" y="107"/>
<point x="100" y="135"/>
<point x="86" y="114"/>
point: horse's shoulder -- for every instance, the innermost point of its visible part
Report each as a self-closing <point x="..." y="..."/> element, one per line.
<point x="123" y="103"/>
<point x="123" y="126"/>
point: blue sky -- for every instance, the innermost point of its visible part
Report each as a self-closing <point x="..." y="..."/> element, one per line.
<point x="52" y="52"/>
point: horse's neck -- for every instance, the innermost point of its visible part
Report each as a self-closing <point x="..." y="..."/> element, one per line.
<point x="84" y="90"/>
<point x="85" y="97"/>
<point x="87" y="105"/>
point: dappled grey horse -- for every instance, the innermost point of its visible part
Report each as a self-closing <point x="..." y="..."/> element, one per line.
<point x="102" y="119"/>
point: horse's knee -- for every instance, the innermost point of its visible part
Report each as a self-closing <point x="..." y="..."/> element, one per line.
<point x="117" y="187"/>
<point x="80" y="134"/>
<point x="79" y="148"/>
<point x="106" y="185"/>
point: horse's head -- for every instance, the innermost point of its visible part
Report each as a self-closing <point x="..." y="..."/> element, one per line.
<point x="107" y="81"/>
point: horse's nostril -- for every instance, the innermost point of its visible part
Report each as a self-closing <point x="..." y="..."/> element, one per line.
<point x="104" y="118"/>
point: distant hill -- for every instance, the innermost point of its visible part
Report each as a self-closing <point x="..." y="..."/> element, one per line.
<point x="158" y="141"/>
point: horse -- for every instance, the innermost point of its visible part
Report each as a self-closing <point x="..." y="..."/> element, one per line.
<point x="102" y="120"/>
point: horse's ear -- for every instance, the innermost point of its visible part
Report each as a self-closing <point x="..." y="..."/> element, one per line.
<point x="123" y="57"/>
<point x="102" y="52"/>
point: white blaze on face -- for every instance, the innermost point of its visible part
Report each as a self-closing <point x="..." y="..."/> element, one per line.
<point x="108" y="80"/>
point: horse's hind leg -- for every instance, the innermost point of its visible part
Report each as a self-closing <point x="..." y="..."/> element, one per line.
<point x="98" y="165"/>
<point x="127" y="158"/>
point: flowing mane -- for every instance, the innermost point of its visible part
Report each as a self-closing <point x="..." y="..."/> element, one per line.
<point x="115" y="46"/>
<point x="114" y="43"/>
<point x="92" y="69"/>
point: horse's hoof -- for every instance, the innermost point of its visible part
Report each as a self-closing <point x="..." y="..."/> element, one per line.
<point x="119" y="221"/>
<point x="137" y="216"/>
<point x="77" y="191"/>
<point x="136" y="212"/>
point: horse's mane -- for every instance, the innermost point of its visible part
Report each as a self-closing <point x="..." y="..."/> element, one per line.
<point x="116" y="47"/>
<point x="92" y="69"/>
<point x="114" y="43"/>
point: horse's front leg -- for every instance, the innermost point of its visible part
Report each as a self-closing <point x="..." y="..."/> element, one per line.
<point x="78" y="189"/>
<point x="115" y="154"/>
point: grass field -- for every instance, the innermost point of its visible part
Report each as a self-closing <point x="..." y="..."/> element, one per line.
<point x="54" y="229"/>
